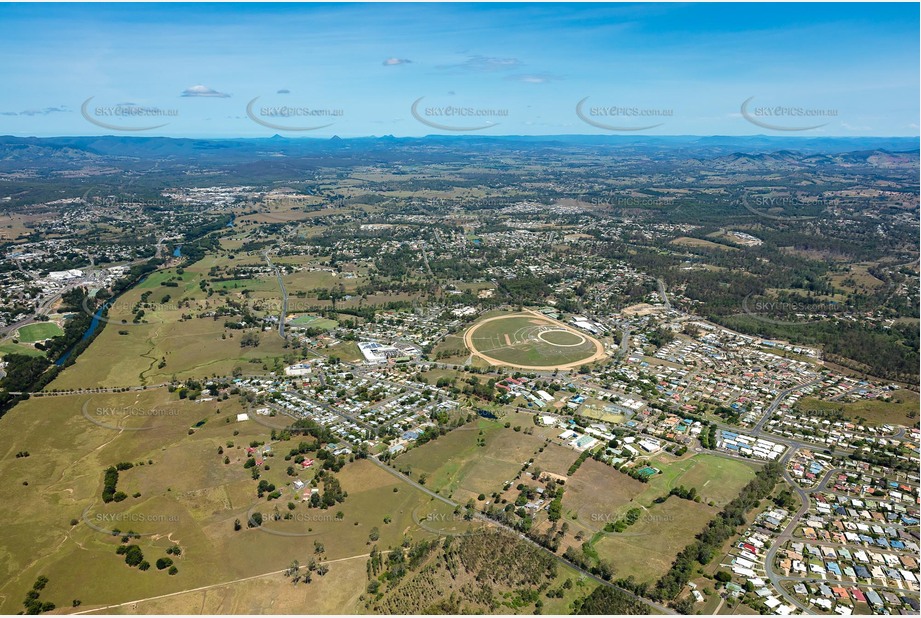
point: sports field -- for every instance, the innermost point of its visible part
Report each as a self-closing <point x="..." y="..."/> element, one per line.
<point x="312" y="321"/>
<point x="39" y="332"/>
<point x="530" y="340"/>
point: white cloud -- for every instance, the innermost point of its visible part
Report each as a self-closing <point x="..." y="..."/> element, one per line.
<point x="533" y="78"/>
<point x="37" y="112"/>
<point x="485" y="64"/>
<point x="204" y="91"/>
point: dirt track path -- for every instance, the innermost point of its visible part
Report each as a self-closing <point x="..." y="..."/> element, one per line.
<point x="207" y="587"/>
<point x="597" y="356"/>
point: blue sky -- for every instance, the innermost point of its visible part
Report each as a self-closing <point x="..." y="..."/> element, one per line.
<point x="490" y="69"/>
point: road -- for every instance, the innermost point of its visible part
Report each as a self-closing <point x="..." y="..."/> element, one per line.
<point x="759" y="426"/>
<point x="523" y="537"/>
<point x="284" y="295"/>
<point x="787" y="533"/>
<point x="402" y="477"/>
<point x="661" y="285"/>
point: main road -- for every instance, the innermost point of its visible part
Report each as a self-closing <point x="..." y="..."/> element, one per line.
<point x="284" y="295"/>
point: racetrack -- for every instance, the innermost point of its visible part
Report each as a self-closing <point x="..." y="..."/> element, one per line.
<point x="531" y="340"/>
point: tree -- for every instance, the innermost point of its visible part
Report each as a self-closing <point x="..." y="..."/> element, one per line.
<point x="134" y="556"/>
<point x="163" y="563"/>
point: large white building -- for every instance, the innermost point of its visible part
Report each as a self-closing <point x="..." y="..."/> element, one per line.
<point x="300" y="369"/>
<point x="64" y="275"/>
<point x="376" y="353"/>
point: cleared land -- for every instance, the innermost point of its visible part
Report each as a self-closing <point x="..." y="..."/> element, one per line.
<point x="476" y="458"/>
<point x="647" y="549"/>
<point x="179" y="491"/>
<point x="902" y="409"/>
<point x="176" y="336"/>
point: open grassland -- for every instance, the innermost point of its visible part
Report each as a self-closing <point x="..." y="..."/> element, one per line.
<point x="170" y="339"/>
<point x="194" y="348"/>
<point x="179" y="491"/>
<point x="700" y="243"/>
<point x="596" y="494"/>
<point x="473" y="459"/>
<point x="451" y="350"/>
<point x="647" y="549"/>
<point x="902" y="409"/>
<point x="555" y="459"/>
<point x="716" y="478"/>
<point x="335" y="593"/>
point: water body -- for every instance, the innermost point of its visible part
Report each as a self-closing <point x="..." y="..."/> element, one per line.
<point x="230" y="223"/>
<point x="94" y="324"/>
<point x="177" y="252"/>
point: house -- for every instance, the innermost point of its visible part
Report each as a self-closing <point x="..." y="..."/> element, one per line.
<point x="874" y="599"/>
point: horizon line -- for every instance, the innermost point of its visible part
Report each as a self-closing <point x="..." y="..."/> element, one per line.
<point x="471" y="136"/>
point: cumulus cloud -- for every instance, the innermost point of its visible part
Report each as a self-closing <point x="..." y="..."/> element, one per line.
<point x="392" y="62"/>
<point x="204" y="91"/>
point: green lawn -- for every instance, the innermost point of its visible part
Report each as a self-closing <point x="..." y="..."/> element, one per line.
<point x="312" y="321"/>
<point x="39" y="332"/>
<point x="521" y="340"/>
<point x="12" y="348"/>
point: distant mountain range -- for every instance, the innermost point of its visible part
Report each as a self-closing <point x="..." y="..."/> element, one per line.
<point x="759" y="151"/>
